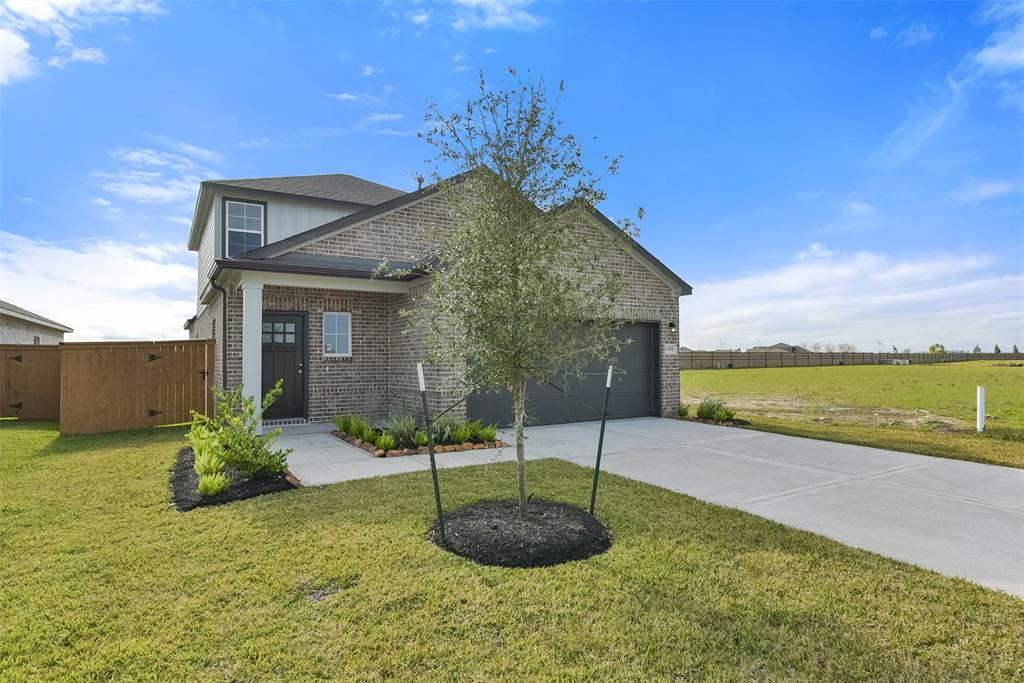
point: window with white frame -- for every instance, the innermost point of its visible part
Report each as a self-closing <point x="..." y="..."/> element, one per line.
<point x="337" y="334"/>
<point x="244" y="227"/>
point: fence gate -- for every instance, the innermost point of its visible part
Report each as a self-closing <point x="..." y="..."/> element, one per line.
<point x="30" y="381"/>
<point x="108" y="386"/>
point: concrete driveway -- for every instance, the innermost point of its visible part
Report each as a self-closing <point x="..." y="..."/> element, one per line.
<point x="959" y="518"/>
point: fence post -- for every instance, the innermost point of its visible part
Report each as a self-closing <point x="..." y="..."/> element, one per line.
<point x="981" y="410"/>
<point x="600" y="440"/>
<point x="430" y="446"/>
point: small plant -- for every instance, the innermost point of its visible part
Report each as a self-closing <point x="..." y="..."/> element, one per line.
<point x="356" y="425"/>
<point x="463" y="433"/>
<point x="386" y="442"/>
<point x="724" y="415"/>
<point x="369" y="434"/>
<point x="236" y="428"/>
<point x="343" y="423"/>
<point x="489" y="433"/>
<point x="420" y="439"/>
<point x="208" y="463"/>
<point x="684" y="410"/>
<point x="444" y="429"/>
<point x="707" y="408"/>
<point x="212" y="484"/>
<point x="402" y="426"/>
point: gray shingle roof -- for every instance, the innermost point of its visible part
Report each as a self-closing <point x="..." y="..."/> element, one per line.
<point x="339" y="187"/>
<point x="320" y="264"/>
<point x="19" y="312"/>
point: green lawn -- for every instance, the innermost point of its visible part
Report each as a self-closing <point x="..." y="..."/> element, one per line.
<point x="100" y="579"/>
<point x="919" y="408"/>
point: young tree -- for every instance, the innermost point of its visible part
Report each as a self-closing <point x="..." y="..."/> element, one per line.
<point x="1015" y="349"/>
<point x="937" y="348"/>
<point x="996" y="349"/>
<point x="977" y="349"/>
<point x="518" y="289"/>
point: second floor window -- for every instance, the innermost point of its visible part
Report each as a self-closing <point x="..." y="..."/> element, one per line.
<point x="245" y="227"/>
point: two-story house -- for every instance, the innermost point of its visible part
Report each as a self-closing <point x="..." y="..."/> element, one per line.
<point x="287" y="289"/>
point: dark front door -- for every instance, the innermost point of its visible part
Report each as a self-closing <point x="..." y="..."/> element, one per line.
<point x="284" y="357"/>
<point x="634" y="389"/>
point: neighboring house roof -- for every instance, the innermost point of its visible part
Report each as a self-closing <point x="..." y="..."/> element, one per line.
<point x="337" y="188"/>
<point x="781" y="346"/>
<point x="281" y="247"/>
<point x="685" y="349"/>
<point x="19" y="312"/>
<point x="319" y="264"/>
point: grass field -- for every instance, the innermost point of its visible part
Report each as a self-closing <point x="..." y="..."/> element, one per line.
<point x="920" y="408"/>
<point x="100" y="579"/>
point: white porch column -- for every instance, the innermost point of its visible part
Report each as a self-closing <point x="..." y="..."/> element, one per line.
<point x="252" y="341"/>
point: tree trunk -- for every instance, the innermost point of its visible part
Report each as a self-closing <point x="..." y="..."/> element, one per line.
<point x="519" y="409"/>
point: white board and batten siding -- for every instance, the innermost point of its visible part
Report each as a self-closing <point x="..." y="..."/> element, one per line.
<point x="284" y="218"/>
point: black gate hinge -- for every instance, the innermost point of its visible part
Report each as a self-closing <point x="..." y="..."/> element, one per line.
<point x="19" y="358"/>
<point x="154" y="412"/>
<point x="19" y="405"/>
<point x="152" y="357"/>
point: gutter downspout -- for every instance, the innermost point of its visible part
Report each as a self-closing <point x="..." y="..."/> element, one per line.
<point x="223" y="333"/>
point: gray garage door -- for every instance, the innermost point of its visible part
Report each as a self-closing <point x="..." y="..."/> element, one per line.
<point x="634" y="389"/>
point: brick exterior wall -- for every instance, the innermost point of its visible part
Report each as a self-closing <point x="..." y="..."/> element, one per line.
<point x="381" y="374"/>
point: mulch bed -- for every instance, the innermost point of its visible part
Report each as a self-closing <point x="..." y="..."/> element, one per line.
<point x="185" y="480"/>
<point x="735" y="422"/>
<point x="422" y="450"/>
<point x="492" y="532"/>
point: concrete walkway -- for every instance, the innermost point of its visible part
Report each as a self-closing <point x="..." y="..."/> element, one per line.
<point x="959" y="518"/>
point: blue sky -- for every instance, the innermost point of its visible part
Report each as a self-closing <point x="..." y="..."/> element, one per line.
<point x="818" y="172"/>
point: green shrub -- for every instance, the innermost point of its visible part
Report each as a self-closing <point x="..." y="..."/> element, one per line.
<point x="386" y="442"/>
<point x="212" y="484"/>
<point x="369" y="434"/>
<point x="684" y="410"/>
<point x="208" y="463"/>
<point x="724" y="415"/>
<point x="236" y="428"/>
<point x="356" y="425"/>
<point x="444" y="429"/>
<point x="343" y="423"/>
<point x="707" y="408"/>
<point x="402" y="426"/>
<point x="420" y="439"/>
<point x="488" y="433"/>
<point x="463" y="433"/>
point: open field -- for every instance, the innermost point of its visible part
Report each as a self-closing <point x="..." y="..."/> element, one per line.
<point x="100" y="579"/>
<point x="925" y="409"/>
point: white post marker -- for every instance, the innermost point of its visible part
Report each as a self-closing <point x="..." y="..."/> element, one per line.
<point x="419" y="371"/>
<point x="608" y="382"/>
<point x="981" y="410"/>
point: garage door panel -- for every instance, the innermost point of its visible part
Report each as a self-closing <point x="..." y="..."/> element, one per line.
<point x="633" y="389"/>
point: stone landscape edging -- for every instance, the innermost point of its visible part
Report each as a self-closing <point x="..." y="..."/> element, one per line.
<point x="422" y="450"/>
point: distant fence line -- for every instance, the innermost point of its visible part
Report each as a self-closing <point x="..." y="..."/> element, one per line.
<point x="699" y="360"/>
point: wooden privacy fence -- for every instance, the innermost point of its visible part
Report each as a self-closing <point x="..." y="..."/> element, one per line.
<point x="696" y="360"/>
<point x="108" y="386"/>
<point x="30" y="381"/>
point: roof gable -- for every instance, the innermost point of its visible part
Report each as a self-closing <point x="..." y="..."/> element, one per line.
<point x="23" y="314"/>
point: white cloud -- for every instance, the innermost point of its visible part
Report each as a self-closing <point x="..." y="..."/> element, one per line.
<point x="860" y="297"/>
<point x="1004" y="51"/>
<point x="814" y="250"/>
<point x="495" y="14"/>
<point x="60" y="20"/>
<point x="920" y="124"/>
<point x="88" y="54"/>
<point x="344" y="96"/>
<point x="878" y="32"/>
<point x="917" y="33"/>
<point x="152" y="176"/>
<point x="16" y="62"/>
<point x="104" y="289"/>
<point x="100" y="201"/>
<point x="858" y="208"/>
<point x="369" y="70"/>
<point x="376" y="118"/>
<point x="981" y="190"/>
<point x="421" y="18"/>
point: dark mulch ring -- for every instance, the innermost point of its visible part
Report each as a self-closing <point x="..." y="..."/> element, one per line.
<point x="492" y="532"/>
<point x="185" y="481"/>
